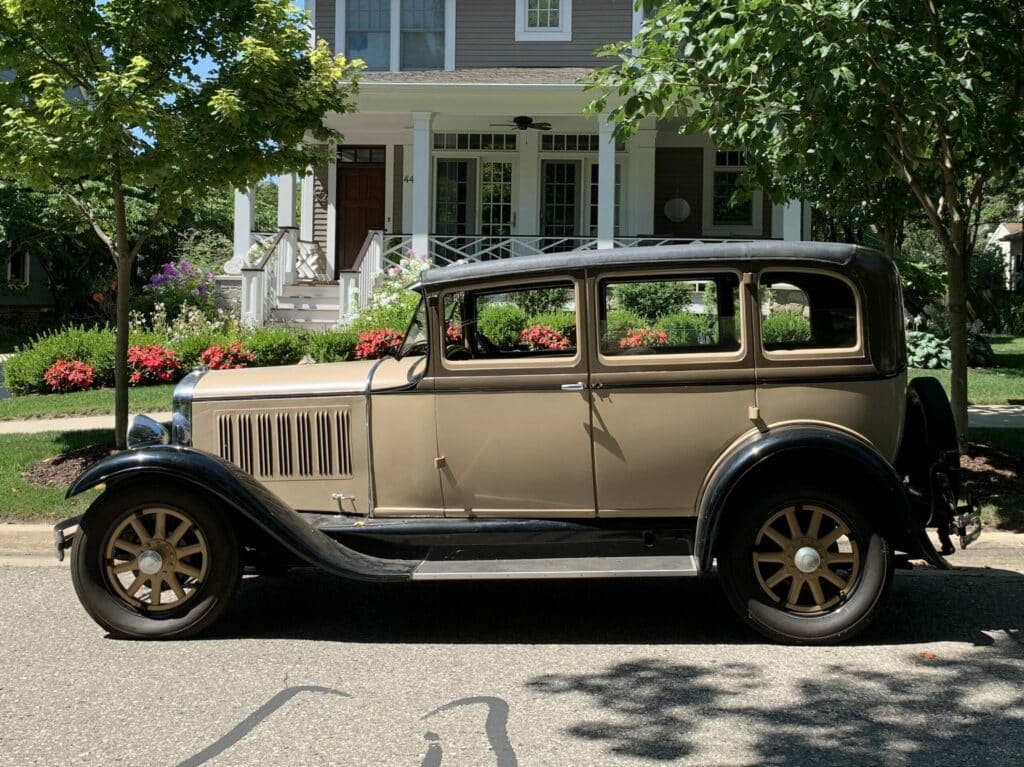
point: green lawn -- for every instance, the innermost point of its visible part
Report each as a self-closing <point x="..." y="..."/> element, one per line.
<point x="20" y="500"/>
<point x="1000" y="510"/>
<point x="992" y="386"/>
<point x="145" y="399"/>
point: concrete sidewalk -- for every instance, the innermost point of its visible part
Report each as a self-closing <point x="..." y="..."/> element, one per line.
<point x="77" y="423"/>
<point x="31" y="545"/>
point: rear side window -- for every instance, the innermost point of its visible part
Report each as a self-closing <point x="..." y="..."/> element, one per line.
<point x="802" y="310"/>
<point x="672" y="315"/>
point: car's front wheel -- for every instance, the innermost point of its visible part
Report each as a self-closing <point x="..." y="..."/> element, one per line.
<point x="804" y="567"/>
<point x="152" y="563"/>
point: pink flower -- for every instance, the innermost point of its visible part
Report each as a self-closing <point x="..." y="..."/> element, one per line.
<point x="69" y="375"/>
<point x="543" y="337"/>
<point x="377" y="343"/>
<point x="642" y="337"/>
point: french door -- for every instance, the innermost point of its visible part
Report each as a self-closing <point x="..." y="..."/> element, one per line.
<point x="560" y="203"/>
<point x="473" y="200"/>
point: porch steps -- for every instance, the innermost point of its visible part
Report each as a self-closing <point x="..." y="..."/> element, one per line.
<point x="309" y="306"/>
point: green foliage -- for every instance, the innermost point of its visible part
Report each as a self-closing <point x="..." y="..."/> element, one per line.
<point x="393" y="315"/>
<point x="502" y="324"/>
<point x="923" y="283"/>
<point x="332" y="345"/>
<point x="23" y="373"/>
<point x="1006" y="315"/>
<point x="687" y="329"/>
<point x="275" y="346"/>
<point x="188" y="348"/>
<point x="785" y="328"/>
<point x="979" y="351"/>
<point x="542" y="301"/>
<point x="652" y="299"/>
<point x="927" y="350"/>
<point x="988" y="269"/>
<point x="561" y="321"/>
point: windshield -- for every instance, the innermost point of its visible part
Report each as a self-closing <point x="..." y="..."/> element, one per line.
<point x="415" y="341"/>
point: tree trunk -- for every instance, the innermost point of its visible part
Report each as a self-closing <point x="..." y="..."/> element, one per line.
<point x="957" y="301"/>
<point x="124" y="276"/>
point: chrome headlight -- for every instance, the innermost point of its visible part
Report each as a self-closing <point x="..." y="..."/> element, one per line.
<point x="181" y="408"/>
<point x="145" y="431"/>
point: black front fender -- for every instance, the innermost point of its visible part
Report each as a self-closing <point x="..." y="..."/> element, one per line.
<point x="786" y="454"/>
<point x="247" y="497"/>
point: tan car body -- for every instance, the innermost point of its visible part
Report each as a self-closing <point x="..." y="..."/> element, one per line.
<point x="432" y="437"/>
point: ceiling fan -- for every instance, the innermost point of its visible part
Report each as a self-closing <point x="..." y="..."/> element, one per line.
<point x="522" y="122"/>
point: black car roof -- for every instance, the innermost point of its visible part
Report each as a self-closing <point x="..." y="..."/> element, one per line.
<point x="777" y="251"/>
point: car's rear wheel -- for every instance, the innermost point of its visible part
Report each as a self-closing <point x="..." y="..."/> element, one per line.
<point x="152" y="563"/>
<point x="804" y="567"/>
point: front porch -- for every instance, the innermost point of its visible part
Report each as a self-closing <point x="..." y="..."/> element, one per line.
<point x="469" y="185"/>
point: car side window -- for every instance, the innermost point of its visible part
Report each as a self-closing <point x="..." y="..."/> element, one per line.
<point x="516" y="322"/>
<point x="689" y="314"/>
<point x="806" y="310"/>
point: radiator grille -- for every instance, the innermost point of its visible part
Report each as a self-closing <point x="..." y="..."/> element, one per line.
<point x="283" y="444"/>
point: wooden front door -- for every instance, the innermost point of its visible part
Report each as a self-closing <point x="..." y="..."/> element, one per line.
<point x="361" y="173"/>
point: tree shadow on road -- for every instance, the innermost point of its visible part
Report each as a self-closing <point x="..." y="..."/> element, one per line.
<point x="958" y="606"/>
<point x="937" y="712"/>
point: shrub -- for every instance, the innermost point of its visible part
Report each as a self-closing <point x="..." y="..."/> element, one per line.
<point x="979" y="351"/>
<point x="378" y="343"/>
<point x="190" y="348"/>
<point x="152" y="365"/>
<point x="395" y="314"/>
<point x="687" y="329"/>
<point x="177" y="285"/>
<point x="785" y="328"/>
<point x="275" y="346"/>
<point x="540" y="337"/>
<point x="24" y="373"/>
<point x="69" y="375"/>
<point x="542" y="301"/>
<point x="927" y="350"/>
<point x="225" y="356"/>
<point x="1006" y="315"/>
<point x="641" y="338"/>
<point x="502" y="324"/>
<point x="652" y="299"/>
<point x="333" y="345"/>
<point x="563" y="321"/>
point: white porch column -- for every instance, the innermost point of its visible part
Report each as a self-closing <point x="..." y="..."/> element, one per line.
<point x="528" y="205"/>
<point x="245" y="214"/>
<point x="421" y="182"/>
<point x="640" y="183"/>
<point x="792" y="221"/>
<point x="332" y="216"/>
<point x="307" y="194"/>
<point x="605" y="184"/>
<point x="286" y="220"/>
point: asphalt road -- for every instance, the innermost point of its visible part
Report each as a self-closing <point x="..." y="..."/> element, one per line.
<point x="309" y="670"/>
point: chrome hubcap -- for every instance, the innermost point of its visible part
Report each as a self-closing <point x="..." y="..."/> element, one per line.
<point x="806" y="559"/>
<point x="150" y="562"/>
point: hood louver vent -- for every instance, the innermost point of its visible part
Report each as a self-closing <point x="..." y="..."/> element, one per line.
<point x="287" y="444"/>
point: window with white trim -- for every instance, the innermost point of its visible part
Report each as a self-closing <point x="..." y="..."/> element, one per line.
<point x="543" y="20"/>
<point x="422" y="34"/>
<point x="729" y="169"/>
<point x="368" y="32"/>
<point x="17" y="269"/>
<point x="398" y="35"/>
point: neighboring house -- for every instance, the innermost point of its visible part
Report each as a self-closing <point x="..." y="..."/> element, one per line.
<point x="24" y="286"/>
<point x="1007" y="237"/>
<point x="470" y="143"/>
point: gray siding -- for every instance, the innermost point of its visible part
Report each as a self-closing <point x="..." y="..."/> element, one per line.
<point x="38" y="292"/>
<point x="324" y="22"/>
<point x="485" y="34"/>
<point x="396" y="177"/>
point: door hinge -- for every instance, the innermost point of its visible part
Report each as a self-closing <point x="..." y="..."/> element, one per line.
<point x="440" y="462"/>
<point x="748" y="278"/>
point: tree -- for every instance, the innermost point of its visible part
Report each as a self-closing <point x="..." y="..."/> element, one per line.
<point x="819" y="92"/>
<point x="170" y="98"/>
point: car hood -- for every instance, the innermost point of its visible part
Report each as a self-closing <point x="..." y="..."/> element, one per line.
<point x="304" y="380"/>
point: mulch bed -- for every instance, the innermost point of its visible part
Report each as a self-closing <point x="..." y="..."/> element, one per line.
<point x="60" y="471"/>
<point x="989" y="471"/>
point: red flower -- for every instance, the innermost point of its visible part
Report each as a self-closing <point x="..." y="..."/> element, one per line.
<point x="69" y="375"/>
<point x="377" y="343"/>
<point x="543" y="337"/>
<point x="228" y="357"/>
<point x="152" y="364"/>
<point x="642" y="337"/>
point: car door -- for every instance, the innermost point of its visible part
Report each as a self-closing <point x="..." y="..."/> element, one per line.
<point x="673" y="385"/>
<point x="512" y="401"/>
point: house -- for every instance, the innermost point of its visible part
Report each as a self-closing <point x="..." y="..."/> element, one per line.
<point x="24" y="286"/>
<point x="1007" y="237"/>
<point x="470" y="143"/>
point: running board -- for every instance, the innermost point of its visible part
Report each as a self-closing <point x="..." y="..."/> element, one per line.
<point x="564" y="567"/>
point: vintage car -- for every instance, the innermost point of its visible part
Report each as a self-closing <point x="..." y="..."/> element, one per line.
<point x="630" y="413"/>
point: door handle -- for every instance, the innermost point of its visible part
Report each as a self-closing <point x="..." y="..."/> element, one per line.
<point x="578" y="386"/>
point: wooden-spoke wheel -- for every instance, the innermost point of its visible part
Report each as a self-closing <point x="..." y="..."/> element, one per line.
<point x="156" y="559"/>
<point x="806" y="559"/>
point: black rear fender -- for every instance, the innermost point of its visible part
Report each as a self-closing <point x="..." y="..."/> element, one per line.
<point x="802" y="455"/>
<point x="250" y="502"/>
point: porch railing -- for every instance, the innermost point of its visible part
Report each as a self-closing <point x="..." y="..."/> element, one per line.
<point x="272" y="270"/>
